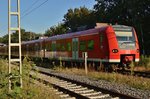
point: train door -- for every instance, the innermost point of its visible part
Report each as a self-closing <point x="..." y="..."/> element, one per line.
<point x="53" y="49"/>
<point x="75" y="48"/>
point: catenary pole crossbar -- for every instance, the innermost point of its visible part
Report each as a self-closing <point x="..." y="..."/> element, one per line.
<point x="16" y="29"/>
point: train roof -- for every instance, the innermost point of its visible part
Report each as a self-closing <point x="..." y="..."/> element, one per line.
<point x="122" y="28"/>
<point x="62" y="36"/>
<point x="33" y="41"/>
<point x="80" y="33"/>
<point x="2" y="44"/>
<point x="76" y="34"/>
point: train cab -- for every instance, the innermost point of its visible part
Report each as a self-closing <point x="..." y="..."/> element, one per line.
<point x="123" y="44"/>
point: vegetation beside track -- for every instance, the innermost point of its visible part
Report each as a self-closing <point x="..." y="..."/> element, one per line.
<point x="144" y="63"/>
<point x="132" y="81"/>
<point x="29" y="90"/>
<point x="135" y="82"/>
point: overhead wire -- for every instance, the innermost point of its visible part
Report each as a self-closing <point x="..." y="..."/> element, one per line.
<point x="28" y="11"/>
<point x="34" y="9"/>
<point x="34" y="3"/>
<point x="5" y="26"/>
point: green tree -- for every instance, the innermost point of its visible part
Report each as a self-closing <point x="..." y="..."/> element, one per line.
<point x="25" y="36"/>
<point x="1" y="39"/>
<point x="5" y="39"/>
<point x="77" y="17"/>
<point x="135" y="13"/>
<point x="56" y="30"/>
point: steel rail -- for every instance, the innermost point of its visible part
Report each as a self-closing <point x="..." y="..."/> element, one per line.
<point x="105" y="91"/>
<point x="134" y="73"/>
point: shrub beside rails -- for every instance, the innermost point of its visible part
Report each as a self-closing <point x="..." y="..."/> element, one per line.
<point x="107" y="45"/>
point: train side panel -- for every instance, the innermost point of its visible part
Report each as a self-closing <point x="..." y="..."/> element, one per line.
<point x="113" y="45"/>
<point x="58" y="49"/>
<point x="96" y="46"/>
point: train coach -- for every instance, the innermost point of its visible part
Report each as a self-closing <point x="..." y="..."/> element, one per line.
<point x="108" y="44"/>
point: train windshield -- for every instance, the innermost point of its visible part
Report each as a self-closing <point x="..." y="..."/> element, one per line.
<point x="125" y="37"/>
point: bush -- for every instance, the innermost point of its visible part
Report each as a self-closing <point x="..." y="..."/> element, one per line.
<point x="29" y="90"/>
<point x="17" y="92"/>
<point x="3" y="78"/>
<point x="144" y="61"/>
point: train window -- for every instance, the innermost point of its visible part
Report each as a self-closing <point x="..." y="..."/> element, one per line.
<point x="68" y="46"/>
<point x="58" y="47"/>
<point x="82" y="45"/>
<point x="63" y="48"/>
<point x="126" y="39"/>
<point x="90" y="44"/>
<point x="124" y="35"/>
<point x="48" y="47"/>
<point x="101" y="38"/>
<point x="27" y="47"/>
<point x="53" y="47"/>
<point x="37" y="47"/>
<point x="31" y="47"/>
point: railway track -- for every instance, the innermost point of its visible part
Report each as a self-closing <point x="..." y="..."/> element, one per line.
<point x="76" y="89"/>
<point x="134" y="73"/>
<point x="45" y="85"/>
<point x="69" y="90"/>
<point x="54" y="89"/>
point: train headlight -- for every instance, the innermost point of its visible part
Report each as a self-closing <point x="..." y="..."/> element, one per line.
<point x="115" y="51"/>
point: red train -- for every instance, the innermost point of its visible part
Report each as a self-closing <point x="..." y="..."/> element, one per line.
<point x="108" y="44"/>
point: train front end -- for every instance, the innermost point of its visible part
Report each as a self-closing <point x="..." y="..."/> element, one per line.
<point x="123" y="45"/>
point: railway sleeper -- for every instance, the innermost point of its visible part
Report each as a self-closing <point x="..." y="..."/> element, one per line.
<point x="64" y="95"/>
<point x="100" y="96"/>
<point x="93" y="93"/>
<point x="74" y="87"/>
<point x="85" y="91"/>
<point x="57" y="92"/>
<point x="77" y="89"/>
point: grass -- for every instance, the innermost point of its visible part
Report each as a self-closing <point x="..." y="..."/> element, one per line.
<point x="132" y="81"/>
<point x="135" y="82"/>
<point x="29" y="90"/>
<point x="144" y="63"/>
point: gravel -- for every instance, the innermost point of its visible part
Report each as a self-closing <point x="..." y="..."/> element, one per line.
<point x="120" y="88"/>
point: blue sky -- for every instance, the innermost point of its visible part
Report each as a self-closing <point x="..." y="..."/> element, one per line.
<point x="49" y="14"/>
